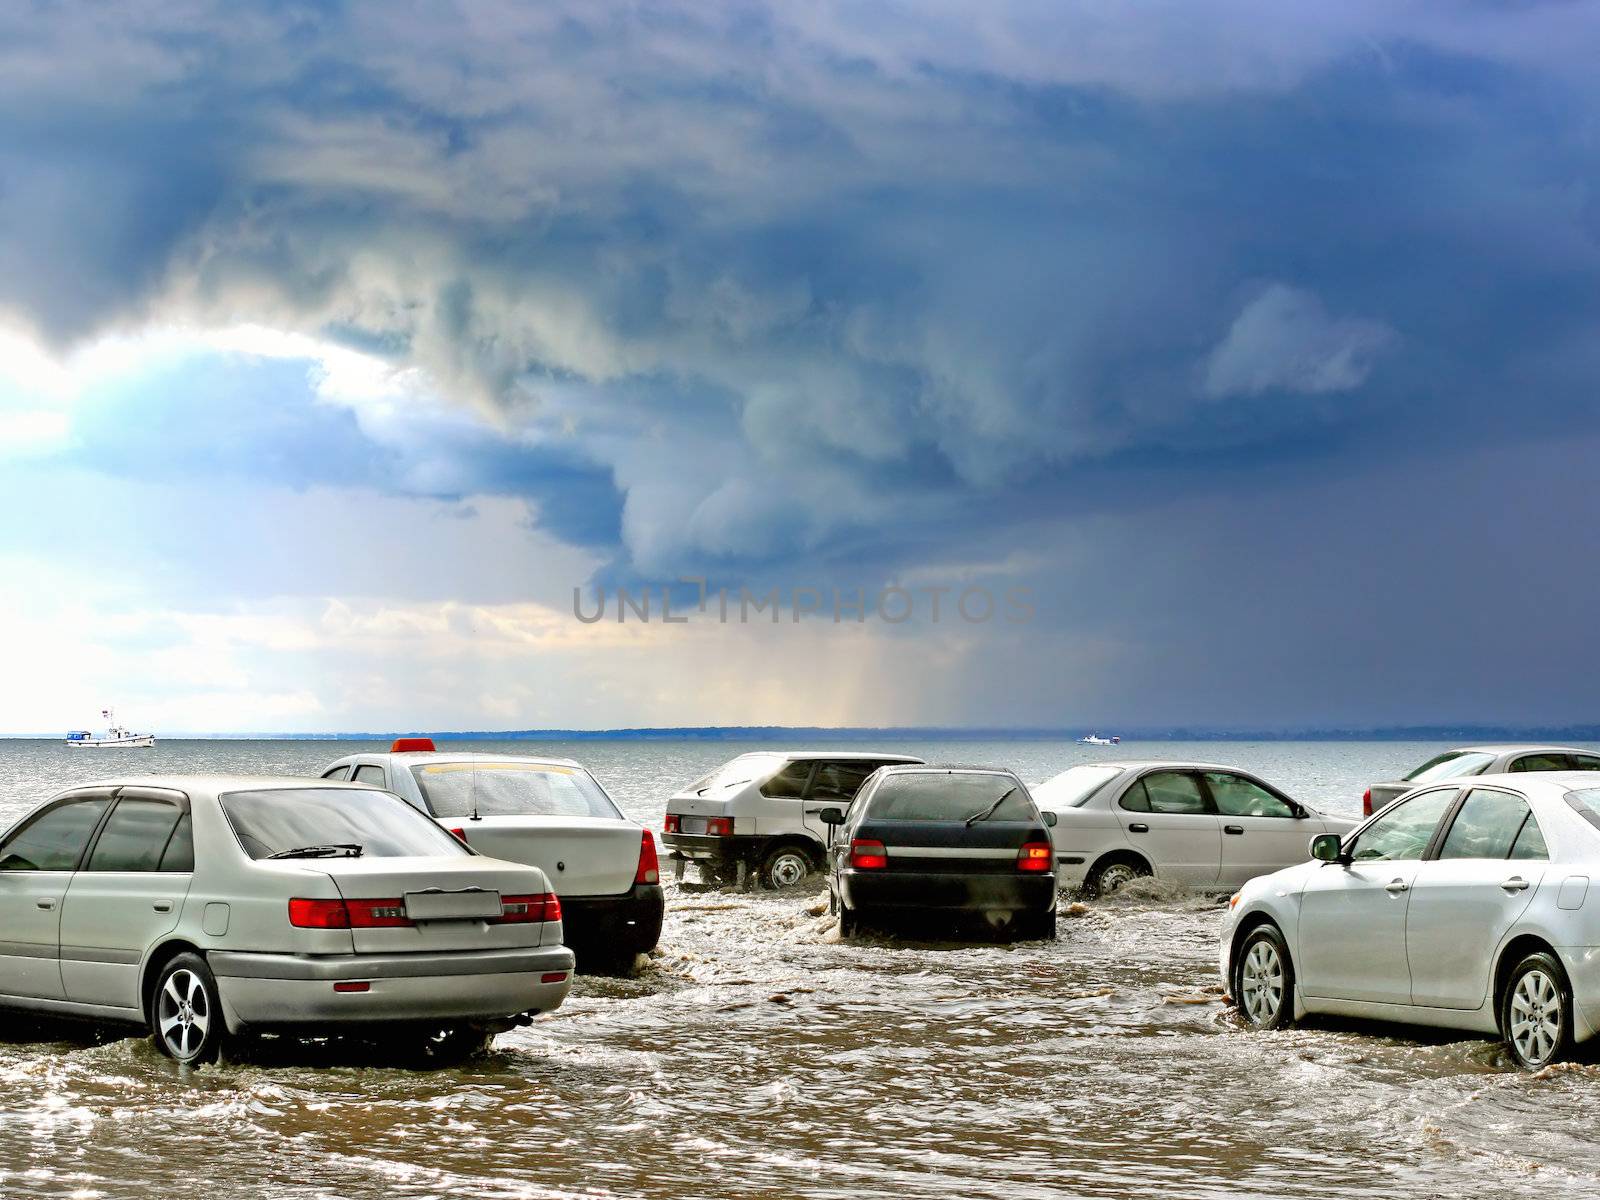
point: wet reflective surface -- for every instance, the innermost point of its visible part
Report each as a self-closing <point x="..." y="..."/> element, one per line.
<point x="760" y="1056"/>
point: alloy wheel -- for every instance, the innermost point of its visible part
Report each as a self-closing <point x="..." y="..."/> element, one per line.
<point x="1261" y="982"/>
<point x="1536" y="1017"/>
<point x="183" y="1014"/>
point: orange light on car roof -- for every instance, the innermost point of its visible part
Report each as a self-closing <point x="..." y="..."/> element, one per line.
<point x="411" y="745"/>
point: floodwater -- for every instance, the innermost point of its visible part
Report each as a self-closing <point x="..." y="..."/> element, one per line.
<point x="759" y="1056"/>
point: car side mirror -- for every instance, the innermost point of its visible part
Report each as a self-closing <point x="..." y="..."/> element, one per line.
<point x="830" y="816"/>
<point x="1328" y="847"/>
<point x="1050" y="818"/>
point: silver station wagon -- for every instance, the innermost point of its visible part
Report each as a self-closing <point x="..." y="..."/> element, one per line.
<point x="205" y="907"/>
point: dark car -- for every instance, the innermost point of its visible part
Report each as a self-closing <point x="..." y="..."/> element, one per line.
<point x="962" y="843"/>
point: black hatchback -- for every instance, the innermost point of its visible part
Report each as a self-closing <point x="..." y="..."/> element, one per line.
<point x="941" y="843"/>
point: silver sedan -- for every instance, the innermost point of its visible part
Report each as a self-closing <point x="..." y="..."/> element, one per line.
<point x="205" y="907"/>
<point x="1462" y="905"/>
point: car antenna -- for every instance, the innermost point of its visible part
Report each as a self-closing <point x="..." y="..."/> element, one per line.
<point x="472" y="788"/>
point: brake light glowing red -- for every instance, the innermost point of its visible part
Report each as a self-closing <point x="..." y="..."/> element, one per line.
<point x="719" y="826"/>
<point x="670" y="825"/>
<point x="318" y="914"/>
<point x="868" y="855"/>
<point x="1366" y="803"/>
<point x="1034" y="856"/>
<point x="649" y="866"/>
<point x="527" y="910"/>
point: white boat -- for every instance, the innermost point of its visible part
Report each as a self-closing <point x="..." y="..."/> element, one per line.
<point x="116" y="737"/>
<point x="1094" y="739"/>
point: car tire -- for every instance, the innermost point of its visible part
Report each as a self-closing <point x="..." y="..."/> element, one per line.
<point x="849" y="922"/>
<point x="1263" y="979"/>
<point x="454" y="1044"/>
<point x="1037" y="927"/>
<point x="186" y="1012"/>
<point x="1108" y="877"/>
<point x="1536" y="1012"/>
<point x="785" y="867"/>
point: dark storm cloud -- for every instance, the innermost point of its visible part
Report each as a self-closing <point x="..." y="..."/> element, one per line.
<point x="746" y="285"/>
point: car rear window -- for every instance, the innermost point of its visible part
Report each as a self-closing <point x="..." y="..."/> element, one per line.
<point x="747" y="768"/>
<point x="955" y="796"/>
<point x="511" y="789"/>
<point x="380" y="823"/>
<point x="1452" y="765"/>
<point x="1073" y="787"/>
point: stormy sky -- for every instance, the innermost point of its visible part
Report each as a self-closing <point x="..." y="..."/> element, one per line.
<point x="1255" y="342"/>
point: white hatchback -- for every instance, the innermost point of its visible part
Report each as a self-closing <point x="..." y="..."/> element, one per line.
<point x="1463" y="905"/>
<point x="1198" y="825"/>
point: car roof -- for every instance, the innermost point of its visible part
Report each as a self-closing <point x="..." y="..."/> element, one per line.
<point x="1140" y="764"/>
<point x="1544" y="783"/>
<point x="1517" y="748"/>
<point x="217" y="785"/>
<point x="449" y="756"/>
<point x="920" y="768"/>
<point x="874" y="755"/>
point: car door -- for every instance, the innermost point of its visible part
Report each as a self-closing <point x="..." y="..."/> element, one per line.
<point x="1540" y="762"/>
<point x="1585" y="762"/>
<point x="1464" y="899"/>
<point x="127" y="893"/>
<point x="834" y="784"/>
<point x="1261" y="830"/>
<point x="1167" y="816"/>
<point x="36" y="864"/>
<point x="1351" y="938"/>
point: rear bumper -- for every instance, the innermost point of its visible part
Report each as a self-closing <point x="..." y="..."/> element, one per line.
<point x="917" y="891"/>
<point x="281" y="990"/>
<point x="702" y="848"/>
<point x="629" y="923"/>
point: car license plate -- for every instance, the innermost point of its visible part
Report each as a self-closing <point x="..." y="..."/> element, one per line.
<point x="475" y="904"/>
<point x="692" y="824"/>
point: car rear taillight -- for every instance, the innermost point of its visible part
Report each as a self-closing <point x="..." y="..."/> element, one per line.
<point x="318" y="914"/>
<point x="649" y="867"/>
<point x="867" y="855"/>
<point x="526" y="910"/>
<point x="1366" y="803"/>
<point x="1034" y="856"/>
<point x="719" y="826"/>
<point x="388" y="913"/>
<point x="670" y="825"/>
<point x="460" y="835"/>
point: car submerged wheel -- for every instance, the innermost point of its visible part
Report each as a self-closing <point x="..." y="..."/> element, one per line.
<point x="1536" y="1012"/>
<point x="785" y="867"/>
<point x="186" y="1013"/>
<point x="1263" y="980"/>
<point x="1111" y="876"/>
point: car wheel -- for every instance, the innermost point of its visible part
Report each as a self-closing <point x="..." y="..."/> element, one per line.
<point x="1263" y="980"/>
<point x="1536" y="1012"/>
<point x="849" y="923"/>
<point x="1108" y="877"/>
<point x="186" y="1012"/>
<point x="785" y="867"/>
<point x="454" y="1044"/>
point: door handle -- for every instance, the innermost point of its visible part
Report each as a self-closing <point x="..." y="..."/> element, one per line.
<point x="1395" y="886"/>
<point x="1516" y="884"/>
<point x="162" y="905"/>
<point x="46" y="902"/>
<point x="1138" y="827"/>
<point x="1236" y="830"/>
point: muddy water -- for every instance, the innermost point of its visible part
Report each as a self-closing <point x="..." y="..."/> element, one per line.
<point x="759" y="1056"/>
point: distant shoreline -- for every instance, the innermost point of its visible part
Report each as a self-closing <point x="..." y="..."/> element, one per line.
<point x="756" y="733"/>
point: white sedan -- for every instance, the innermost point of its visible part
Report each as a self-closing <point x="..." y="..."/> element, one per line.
<point x="1197" y="825"/>
<point x="1462" y="905"/>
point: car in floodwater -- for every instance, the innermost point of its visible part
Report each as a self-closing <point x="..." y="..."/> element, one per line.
<point x="549" y="813"/>
<point x="757" y="815"/>
<point x="1480" y="760"/>
<point x="921" y="842"/>
<point x="1462" y="905"/>
<point x="210" y="906"/>
<point x="1196" y="825"/>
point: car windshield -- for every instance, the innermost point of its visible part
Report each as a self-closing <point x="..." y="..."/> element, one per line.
<point x="747" y="768"/>
<point x="1452" y="765"/>
<point x="511" y="789"/>
<point x="949" y="796"/>
<point x="325" y="822"/>
<point x="1073" y="787"/>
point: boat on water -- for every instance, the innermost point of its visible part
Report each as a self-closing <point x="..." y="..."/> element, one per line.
<point x="115" y="738"/>
<point x="1094" y="739"/>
